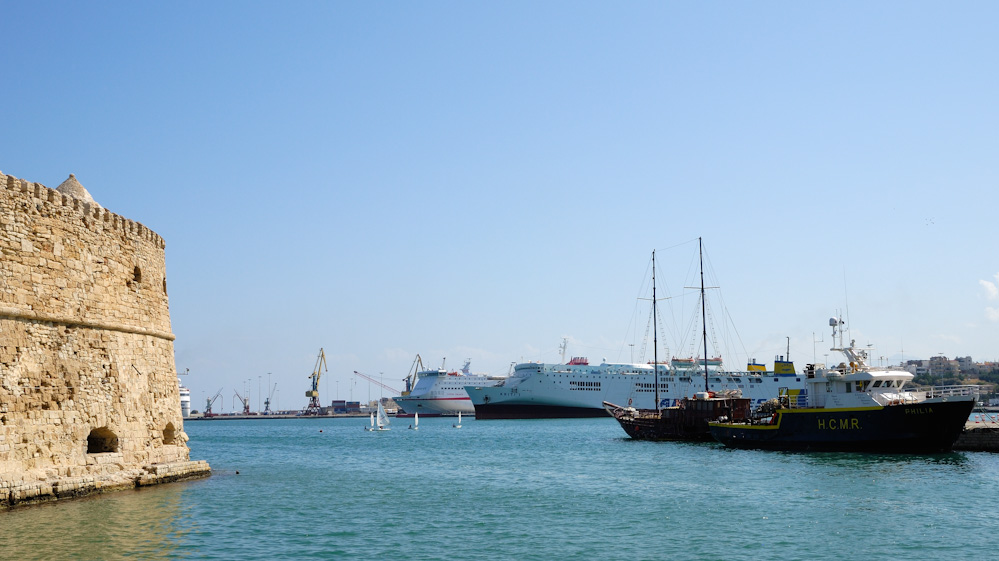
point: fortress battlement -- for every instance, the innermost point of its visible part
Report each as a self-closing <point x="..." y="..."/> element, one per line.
<point x="35" y="193"/>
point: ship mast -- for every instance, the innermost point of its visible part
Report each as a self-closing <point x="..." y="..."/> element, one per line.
<point x="655" y="341"/>
<point x="704" y="327"/>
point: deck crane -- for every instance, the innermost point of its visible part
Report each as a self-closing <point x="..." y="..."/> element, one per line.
<point x="376" y="382"/>
<point x="314" y="408"/>
<point x="267" y="402"/>
<point x="210" y="402"/>
<point x="245" y="401"/>
<point x="414" y="371"/>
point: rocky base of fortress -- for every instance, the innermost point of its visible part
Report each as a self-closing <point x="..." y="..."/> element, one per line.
<point x="115" y="478"/>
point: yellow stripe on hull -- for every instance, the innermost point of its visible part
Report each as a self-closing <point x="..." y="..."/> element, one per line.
<point x="780" y="416"/>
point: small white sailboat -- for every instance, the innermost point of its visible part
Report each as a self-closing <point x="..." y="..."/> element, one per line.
<point x="458" y="426"/>
<point x="381" y="420"/>
<point x="372" y="423"/>
<point x="416" y="422"/>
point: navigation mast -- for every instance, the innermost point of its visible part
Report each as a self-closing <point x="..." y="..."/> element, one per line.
<point x="704" y="327"/>
<point x="655" y="342"/>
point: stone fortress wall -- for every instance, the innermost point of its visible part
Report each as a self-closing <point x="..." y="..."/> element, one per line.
<point x="89" y="396"/>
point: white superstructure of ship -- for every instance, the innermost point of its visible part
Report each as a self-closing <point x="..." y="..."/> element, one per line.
<point x="439" y="392"/>
<point x="185" y="400"/>
<point x="538" y="390"/>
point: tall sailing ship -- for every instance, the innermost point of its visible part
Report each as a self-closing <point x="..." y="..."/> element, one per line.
<point x="689" y="419"/>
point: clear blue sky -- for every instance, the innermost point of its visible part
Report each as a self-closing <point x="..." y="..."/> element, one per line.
<point x="478" y="180"/>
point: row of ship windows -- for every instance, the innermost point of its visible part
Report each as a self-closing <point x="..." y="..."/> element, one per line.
<point x="650" y="388"/>
<point x="687" y="379"/>
<point x="575" y="385"/>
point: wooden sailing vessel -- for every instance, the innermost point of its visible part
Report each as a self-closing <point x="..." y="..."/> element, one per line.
<point x="689" y="419"/>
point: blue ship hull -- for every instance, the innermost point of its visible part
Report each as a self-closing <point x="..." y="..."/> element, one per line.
<point x="909" y="428"/>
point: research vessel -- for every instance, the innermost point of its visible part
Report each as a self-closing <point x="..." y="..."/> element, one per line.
<point x="439" y="392"/>
<point x="854" y="407"/>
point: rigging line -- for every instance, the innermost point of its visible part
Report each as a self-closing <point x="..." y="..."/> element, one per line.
<point x="690" y="241"/>
<point x="635" y="314"/>
<point x="846" y="298"/>
<point x="645" y="338"/>
<point x="738" y="336"/>
<point x="655" y="315"/>
<point x="658" y="313"/>
<point x="660" y="320"/>
<point x="726" y="315"/>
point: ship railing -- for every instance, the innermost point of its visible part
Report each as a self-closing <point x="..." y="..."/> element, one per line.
<point x="902" y="397"/>
<point x="955" y="390"/>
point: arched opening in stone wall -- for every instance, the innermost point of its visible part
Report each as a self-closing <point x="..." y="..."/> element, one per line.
<point x="102" y="440"/>
<point x="169" y="434"/>
<point x="137" y="274"/>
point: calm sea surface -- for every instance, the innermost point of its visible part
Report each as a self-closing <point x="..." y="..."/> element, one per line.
<point x="546" y="489"/>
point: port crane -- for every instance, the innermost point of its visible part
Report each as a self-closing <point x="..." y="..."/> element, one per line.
<point x="314" y="408"/>
<point x="210" y="402"/>
<point x="414" y="371"/>
<point x="267" y="402"/>
<point x="376" y="382"/>
<point x="245" y="401"/>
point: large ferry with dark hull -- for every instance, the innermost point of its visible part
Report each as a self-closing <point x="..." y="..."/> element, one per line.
<point x="854" y="407"/>
<point x="537" y="390"/>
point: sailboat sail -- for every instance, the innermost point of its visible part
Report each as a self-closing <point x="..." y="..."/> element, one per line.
<point x="383" y="420"/>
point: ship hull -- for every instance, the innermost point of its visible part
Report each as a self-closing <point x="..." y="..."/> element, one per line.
<point x="436" y="406"/>
<point x="534" y="411"/>
<point x="923" y="428"/>
<point x="687" y="422"/>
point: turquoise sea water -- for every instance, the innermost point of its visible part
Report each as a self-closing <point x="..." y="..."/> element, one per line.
<point x="530" y="489"/>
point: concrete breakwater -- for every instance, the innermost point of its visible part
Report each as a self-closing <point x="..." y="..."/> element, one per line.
<point x="89" y="397"/>
<point x="978" y="439"/>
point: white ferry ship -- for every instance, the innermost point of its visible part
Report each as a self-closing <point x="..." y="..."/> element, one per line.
<point x="439" y="392"/>
<point x="185" y="400"/>
<point x="578" y="389"/>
